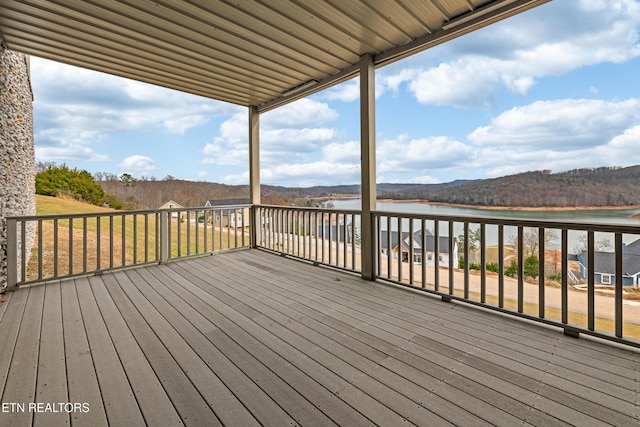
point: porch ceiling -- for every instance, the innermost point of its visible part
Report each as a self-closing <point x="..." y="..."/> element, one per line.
<point x="252" y="53"/>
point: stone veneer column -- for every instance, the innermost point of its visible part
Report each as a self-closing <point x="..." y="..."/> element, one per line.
<point x="17" y="164"/>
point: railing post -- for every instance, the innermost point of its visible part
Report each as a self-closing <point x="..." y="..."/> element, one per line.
<point x="253" y="226"/>
<point x="164" y="236"/>
<point x="12" y="254"/>
<point x="368" y="165"/>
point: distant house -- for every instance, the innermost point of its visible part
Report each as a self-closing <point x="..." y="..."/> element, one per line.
<point x="232" y="218"/>
<point x="605" y="266"/>
<point x="401" y="248"/>
<point x="172" y="204"/>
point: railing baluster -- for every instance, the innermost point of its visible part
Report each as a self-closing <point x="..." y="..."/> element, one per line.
<point x="400" y="260"/>
<point x="483" y="263"/>
<point x="345" y="237"/>
<point x="70" y="231"/>
<point x="618" y="286"/>
<point x="541" y="261"/>
<point x="23" y="251"/>
<point x="135" y="238"/>
<point x="411" y="272"/>
<point x="436" y="255"/>
<point x="124" y="244"/>
<point x="501" y="266"/>
<point x="353" y="242"/>
<point x="111" y="241"/>
<point x="188" y="215"/>
<point x="466" y="260"/>
<point x="389" y="254"/>
<point x="564" y="242"/>
<point x="146" y="237"/>
<point x="98" y="244"/>
<point x="452" y="267"/>
<point x="591" y="286"/>
<point x="55" y="247"/>
<point x="520" y="269"/>
<point x="196" y="215"/>
<point x="84" y="244"/>
<point x="423" y="253"/>
<point x="40" y="255"/>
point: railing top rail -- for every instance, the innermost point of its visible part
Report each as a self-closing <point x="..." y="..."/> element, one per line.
<point x="515" y="222"/>
<point x="314" y="209"/>
<point x="123" y="212"/>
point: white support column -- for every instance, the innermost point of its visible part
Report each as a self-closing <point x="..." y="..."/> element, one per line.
<point x="368" y="164"/>
<point x="254" y="170"/>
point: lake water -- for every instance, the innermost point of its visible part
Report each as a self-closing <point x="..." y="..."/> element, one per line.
<point x="588" y="216"/>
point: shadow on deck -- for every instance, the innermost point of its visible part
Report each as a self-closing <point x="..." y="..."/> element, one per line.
<point x="249" y="338"/>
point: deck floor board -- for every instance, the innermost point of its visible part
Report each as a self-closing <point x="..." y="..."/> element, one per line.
<point x="251" y="338"/>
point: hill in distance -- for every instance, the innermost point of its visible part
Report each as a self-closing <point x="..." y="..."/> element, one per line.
<point x="597" y="187"/>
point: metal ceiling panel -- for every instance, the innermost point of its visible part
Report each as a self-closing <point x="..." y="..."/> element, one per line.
<point x="248" y="52"/>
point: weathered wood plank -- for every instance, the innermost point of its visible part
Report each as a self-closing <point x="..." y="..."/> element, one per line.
<point x="21" y="381"/>
<point x="398" y="378"/>
<point x="257" y="401"/>
<point x="9" y="329"/>
<point x="82" y="381"/>
<point x="314" y="361"/>
<point x="4" y="298"/>
<point x="154" y="403"/>
<point x="317" y="302"/>
<point x="291" y="390"/>
<point x="51" y="386"/>
<point x="222" y="401"/>
<point x="387" y="387"/>
<point x="119" y="400"/>
<point x="191" y="406"/>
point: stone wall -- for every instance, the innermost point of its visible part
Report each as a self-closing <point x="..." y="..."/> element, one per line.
<point x="17" y="167"/>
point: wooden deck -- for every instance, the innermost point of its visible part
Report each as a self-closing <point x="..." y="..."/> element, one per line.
<point x="250" y="338"/>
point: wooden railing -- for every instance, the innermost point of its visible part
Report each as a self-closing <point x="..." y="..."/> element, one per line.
<point x="518" y="267"/>
<point x="80" y="244"/>
<point x="323" y="236"/>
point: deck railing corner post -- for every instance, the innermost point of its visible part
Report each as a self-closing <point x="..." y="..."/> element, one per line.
<point x="12" y="254"/>
<point x="253" y="226"/>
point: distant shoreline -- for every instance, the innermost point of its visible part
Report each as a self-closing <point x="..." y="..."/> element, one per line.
<point x="494" y="208"/>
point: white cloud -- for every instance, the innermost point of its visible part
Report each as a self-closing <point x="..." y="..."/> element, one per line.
<point x="290" y="134"/>
<point x="138" y="163"/>
<point x="521" y="50"/>
<point x="346" y="92"/>
<point x="76" y="108"/>
<point x="311" y="174"/>
<point x="402" y="154"/>
<point x="342" y="152"/>
<point x="568" y="123"/>
<point x="299" y="114"/>
<point x="71" y="152"/>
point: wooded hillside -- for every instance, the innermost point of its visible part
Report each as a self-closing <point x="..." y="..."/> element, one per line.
<point x="580" y="187"/>
<point x="611" y="186"/>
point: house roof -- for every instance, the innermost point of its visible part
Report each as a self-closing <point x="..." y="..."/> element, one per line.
<point x="429" y="245"/>
<point x="251" y="53"/>
<point x="177" y="205"/>
<point x="605" y="262"/>
<point x="633" y="248"/>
